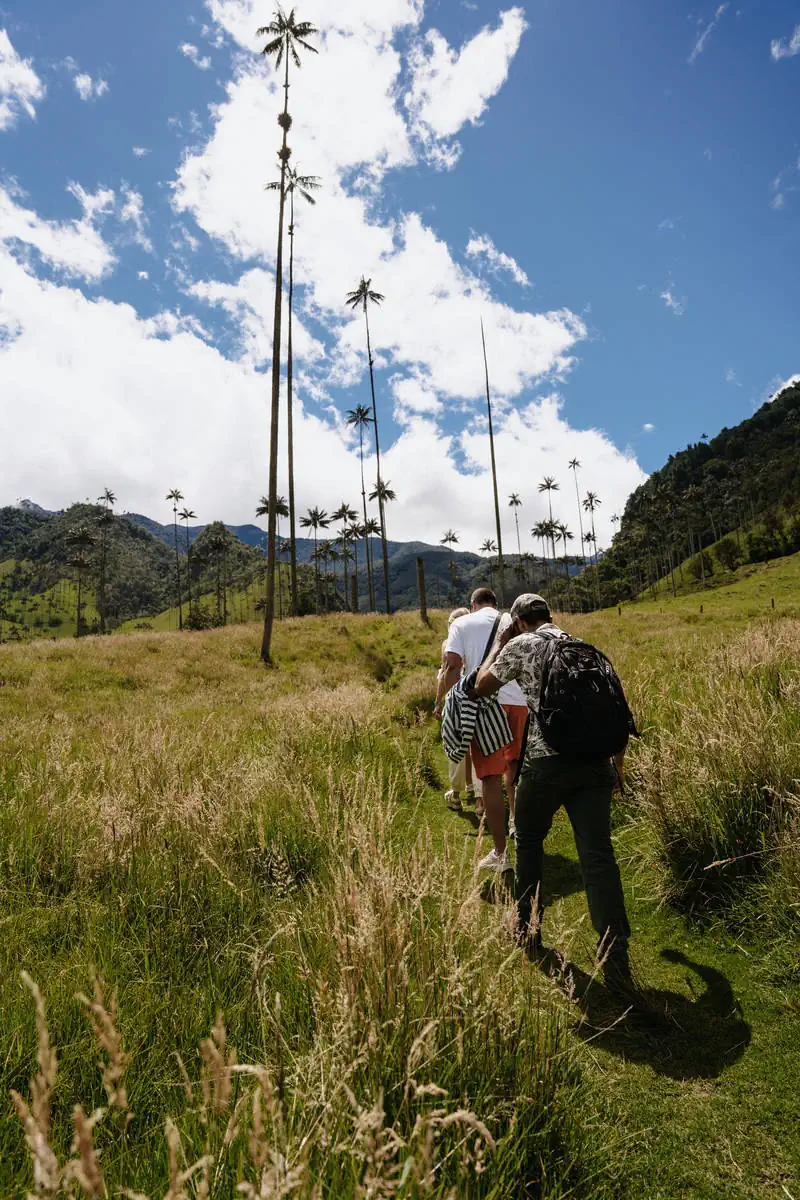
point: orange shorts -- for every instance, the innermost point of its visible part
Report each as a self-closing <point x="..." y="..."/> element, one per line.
<point x="496" y="764"/>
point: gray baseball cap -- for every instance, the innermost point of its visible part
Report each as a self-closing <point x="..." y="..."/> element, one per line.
<point x="531" y="607"/>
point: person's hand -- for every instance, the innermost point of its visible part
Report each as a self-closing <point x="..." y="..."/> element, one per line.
<point x="437" y="711"/>
<point x="507" y="634"/>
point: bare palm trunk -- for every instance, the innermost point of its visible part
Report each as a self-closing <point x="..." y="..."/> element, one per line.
<point x="289" y="419"/>
<point x="381" y="512"/>
<point x="500" y="566"/>
<point x="580" y="520"/>
<point x="596" y="568"/>
<point x="177" y="568"/>
<point x="188" y="572"/>
<point x="370" y="583"/>
<point x="269" y="596"/>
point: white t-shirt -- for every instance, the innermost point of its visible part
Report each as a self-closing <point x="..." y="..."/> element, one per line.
<point x="468" y="637"/>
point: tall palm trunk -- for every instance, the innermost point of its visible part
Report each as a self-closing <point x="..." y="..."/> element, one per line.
<point x="580" y="519"/>
<point x="289" y="417"/>
<point x="269" y="597"/>
<point x="177" y="568"/>
<point x="381" y="512"/>
<point x="316" y="570"/>
<point x="596" y="568"/>
<point x="500" y="566"/>
<point x="370" y="583"/>
<point x="188" y="569"/>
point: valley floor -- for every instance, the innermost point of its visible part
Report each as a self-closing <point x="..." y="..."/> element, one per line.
<point x="212" y="838"/>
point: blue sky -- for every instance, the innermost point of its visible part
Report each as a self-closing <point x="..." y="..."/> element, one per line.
<point x="614" y="187"/>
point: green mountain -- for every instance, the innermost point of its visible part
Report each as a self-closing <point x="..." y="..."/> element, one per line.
<point x="122" y="570"/>
<point x="738" y="493"/>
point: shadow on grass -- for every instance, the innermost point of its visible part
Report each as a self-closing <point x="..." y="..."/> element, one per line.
<point x="679" y="1036"/>
<point x="563" y="879"/>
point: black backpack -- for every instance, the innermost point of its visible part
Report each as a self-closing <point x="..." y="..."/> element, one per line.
<point x="583" y="713"/>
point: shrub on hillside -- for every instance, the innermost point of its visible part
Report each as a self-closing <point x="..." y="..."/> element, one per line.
<point x="728" y="553"/>
<point x="701" y="563"/>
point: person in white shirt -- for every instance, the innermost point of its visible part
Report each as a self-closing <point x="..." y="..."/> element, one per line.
<point x="464" y="651"/>
<point x="460" y="772"/>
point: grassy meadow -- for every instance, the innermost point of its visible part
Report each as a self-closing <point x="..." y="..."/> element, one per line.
<point x="258" y="958"/>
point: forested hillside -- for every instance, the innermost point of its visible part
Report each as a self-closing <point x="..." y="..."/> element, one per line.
<point x="738" y="491"/>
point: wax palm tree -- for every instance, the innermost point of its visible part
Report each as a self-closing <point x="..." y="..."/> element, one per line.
<point x="334" y="556"/>
<point x="186" y="515"/>
<point x="489" y="547"/>
<point x="574" y="466"/>
<point x="565" y="535"/>
<point x="315" y="519"/>
<point x="500" y="568"/>
<point x="540" y="531"/>
<point x="360" y="417"/>
<point x="362" y="297"/>
<point x="515" y="502"/>
<point x="549" y="485"/>
<point x="590" y="503"/>
<point x="176" y="496"/>
<point x="450" y="538"/>
<point x="281" y="510"/>
<point x="346" y="515"/>
<point x="372" y="529"/>
<point x="286" y="36"/>
<point x="80" y="539"/>
<point x="384" y="494"/>
<point x="105" y="521"/>
<point x="303" y="185"/>
<point x="355" y="533"/>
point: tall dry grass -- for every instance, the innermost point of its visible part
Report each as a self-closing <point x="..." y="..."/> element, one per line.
<point x="296" y="992"/>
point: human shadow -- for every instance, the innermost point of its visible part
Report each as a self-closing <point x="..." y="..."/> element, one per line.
<point x="562" y="878"/>
<point x="679" y="1036"/>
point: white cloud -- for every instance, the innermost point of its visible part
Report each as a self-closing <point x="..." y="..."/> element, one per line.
<point x="450" y="88"/>
<point x="705" y="33"/>
<point x="88" y="88"/>
<point x="675" y="303"/>
<point x="143" y="275"/>
<point x="20" y="86"/>
<point x="781" y="48"/>
<point x="732" y="377"/>
<point x="669" y="224"/>
<point x="141" y="151"/>
<point x="250" y="303"/>
<point x="190" y="51"/>
<point x="648" y="427"/>
<point x="74" y="247"/>
<point x="482" y="247"/>
<point x="132" y="213"/>
<point x="148" y="391"/>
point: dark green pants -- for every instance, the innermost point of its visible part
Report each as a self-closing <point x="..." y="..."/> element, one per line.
<point x="585" y="792"/>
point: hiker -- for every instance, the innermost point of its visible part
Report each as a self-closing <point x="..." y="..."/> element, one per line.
<point x="472" y="639"/>
<point x="460" y="772"/>
<point x="581" y="777"/>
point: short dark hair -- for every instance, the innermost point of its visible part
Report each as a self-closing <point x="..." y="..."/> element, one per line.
<point x="483" y="595"/>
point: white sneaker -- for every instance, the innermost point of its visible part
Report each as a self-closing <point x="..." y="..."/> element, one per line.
<point x="495" y="862"/>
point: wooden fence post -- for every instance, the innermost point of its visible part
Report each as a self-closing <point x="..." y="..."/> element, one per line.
<point x="423" y="603"/>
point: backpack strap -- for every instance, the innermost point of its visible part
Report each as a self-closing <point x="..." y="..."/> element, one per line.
<point x="490" y="642"/>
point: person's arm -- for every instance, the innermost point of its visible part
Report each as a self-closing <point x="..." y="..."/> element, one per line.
<point x="498" y="668"/>
<point x="619" y="768"/>
<point x="450" y="675"/>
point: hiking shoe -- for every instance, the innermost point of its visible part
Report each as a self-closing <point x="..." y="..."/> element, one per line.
<point x="469" y="795"/>
<point x="495" y="862"/>
<point x="512" y="830"/>
<point x="453" y="800"/>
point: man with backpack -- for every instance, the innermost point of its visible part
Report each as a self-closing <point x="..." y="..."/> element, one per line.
<point x="578" y="730"/>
